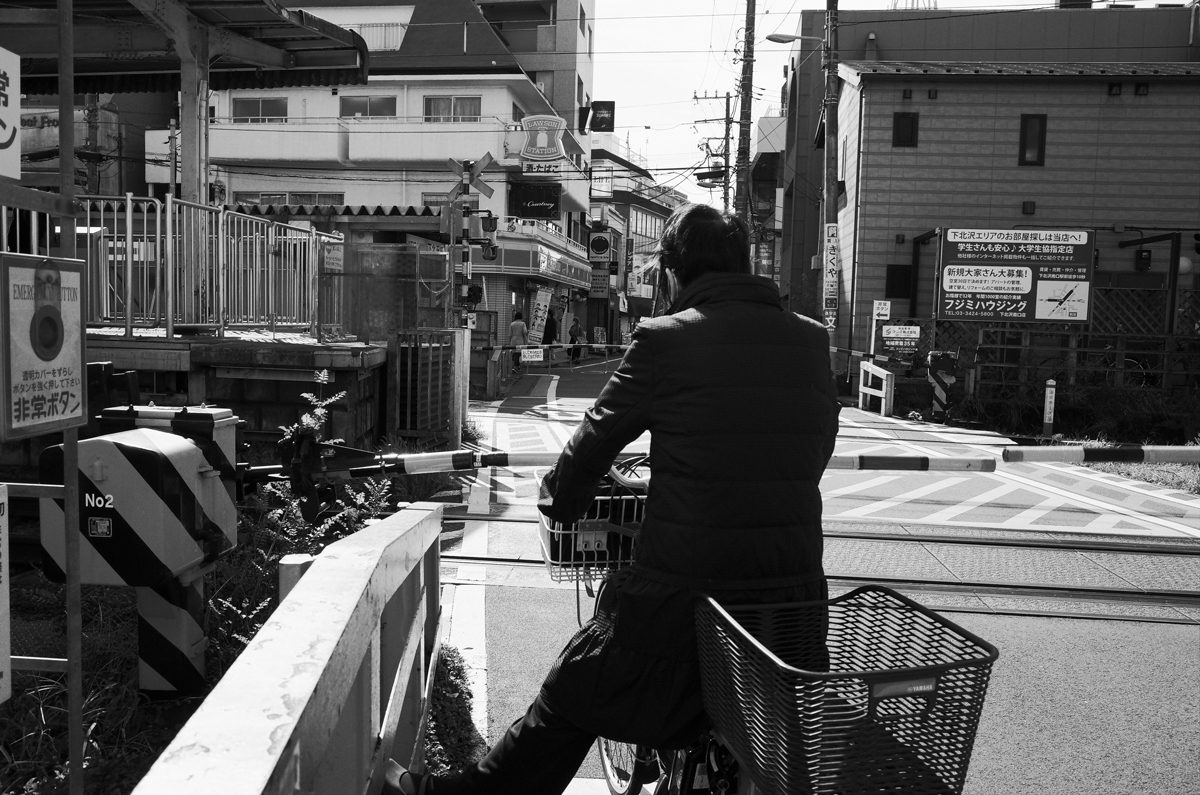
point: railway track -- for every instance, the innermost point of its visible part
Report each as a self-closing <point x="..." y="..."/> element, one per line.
<point x="1152" y="579"/>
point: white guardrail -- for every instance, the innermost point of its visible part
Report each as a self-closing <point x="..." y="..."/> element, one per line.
<point x="335" y="683"/>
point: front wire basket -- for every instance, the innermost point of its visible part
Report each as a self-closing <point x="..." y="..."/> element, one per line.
<point x="870" y="692"/>
<point x="602" y="541"/>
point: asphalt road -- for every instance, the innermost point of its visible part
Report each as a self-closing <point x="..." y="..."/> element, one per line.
<point x="1075" y="705"/>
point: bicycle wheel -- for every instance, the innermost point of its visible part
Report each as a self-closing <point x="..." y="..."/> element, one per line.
<point x="627" y="768"/>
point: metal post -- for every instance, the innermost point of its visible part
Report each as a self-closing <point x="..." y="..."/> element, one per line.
<point x="742" y="196"/>
<point x="66" y="187"/>
<point x="172" y="144"/>
<point x="129" y="265"/>
<point x="168" y="245"/>
<point x="831" y="122"/>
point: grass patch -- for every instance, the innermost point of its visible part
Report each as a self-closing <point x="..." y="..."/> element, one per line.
<point x="451" y="741"/>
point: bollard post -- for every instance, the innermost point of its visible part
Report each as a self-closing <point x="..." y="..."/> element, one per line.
<point x="1048" y="411"/>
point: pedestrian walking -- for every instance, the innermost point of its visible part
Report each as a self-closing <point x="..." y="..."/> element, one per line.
<point x="576" y="335"/>
<point x="550" y="336"/>
<point x="518" y="334"/>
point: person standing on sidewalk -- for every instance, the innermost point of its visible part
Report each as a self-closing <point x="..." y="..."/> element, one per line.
<point x="739" y="399"/>
<point x="550" y="336"/>
<point x="577" y="338"/>
<point x="518" y="334"/>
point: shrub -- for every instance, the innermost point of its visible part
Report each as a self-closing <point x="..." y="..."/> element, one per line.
<point x="451" y="740"/>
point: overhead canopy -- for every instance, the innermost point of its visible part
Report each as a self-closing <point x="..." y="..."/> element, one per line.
<point x="127" y="45"/>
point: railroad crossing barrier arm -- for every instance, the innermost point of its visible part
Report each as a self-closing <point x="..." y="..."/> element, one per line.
<point x="1128" y="454"/>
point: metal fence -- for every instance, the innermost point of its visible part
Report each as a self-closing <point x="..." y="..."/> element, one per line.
<point x="427" y="384"/>
<point x="174" y="264"/>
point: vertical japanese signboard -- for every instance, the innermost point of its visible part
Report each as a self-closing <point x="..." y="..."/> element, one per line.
<point x="1022" y="275"/>
<point x="10" y="114"/>
<point x="42" y="372"/>
<point x="832" y="276"/>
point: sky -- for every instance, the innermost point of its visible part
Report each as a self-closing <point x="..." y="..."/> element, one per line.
<point x="652" y="58"/>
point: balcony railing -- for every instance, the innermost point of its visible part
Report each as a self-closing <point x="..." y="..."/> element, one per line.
<point x="542" y="232"/>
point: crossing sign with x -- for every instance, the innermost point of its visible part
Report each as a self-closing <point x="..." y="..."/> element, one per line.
<point x="470" y="176"/>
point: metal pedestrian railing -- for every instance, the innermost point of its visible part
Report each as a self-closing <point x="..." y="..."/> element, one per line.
<point x="174" y="264"/>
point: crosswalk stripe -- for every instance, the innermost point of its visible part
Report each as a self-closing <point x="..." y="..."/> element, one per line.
<point x="863" y="510"/>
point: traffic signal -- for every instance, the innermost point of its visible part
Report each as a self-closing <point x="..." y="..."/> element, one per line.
<point x="490" y="249"/>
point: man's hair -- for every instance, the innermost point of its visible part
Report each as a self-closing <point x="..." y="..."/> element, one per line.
<point x="702" y="239"/>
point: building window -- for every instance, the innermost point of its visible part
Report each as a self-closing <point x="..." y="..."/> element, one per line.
<point x="439" y="199"/>
<point x="349" y="107"/>
<point x="289" y="198"/>
<point x="1033" y="140"/>
<point x="579" y="91"/>
<point x="452" y="109"/>
<point x="589" y="40"/>
<point x="899" y="281"/>
<point x="258" y="111"/>
<point x="904" y="129"/>
<point x="582" y="19"/>
<point x="518" y="114"/>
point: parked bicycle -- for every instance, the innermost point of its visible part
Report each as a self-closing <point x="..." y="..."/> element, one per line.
<point x="865" y="692"/>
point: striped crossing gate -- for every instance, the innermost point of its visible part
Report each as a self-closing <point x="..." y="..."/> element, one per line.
<point x="156" y="510"/>
<point x="942" y="365"/>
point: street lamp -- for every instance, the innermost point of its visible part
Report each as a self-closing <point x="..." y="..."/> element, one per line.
<point x="788" y="38"/>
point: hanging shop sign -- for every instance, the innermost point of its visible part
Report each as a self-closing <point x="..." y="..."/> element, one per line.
<point x="832" y="274"/>
<point x="42" y="374"/>
<point x="602" y="183"/>
<point x="540" y="201"/>
<point x="543" y="138"/>
<point x="10" y="114"/>
<point x="1021" y="275"/>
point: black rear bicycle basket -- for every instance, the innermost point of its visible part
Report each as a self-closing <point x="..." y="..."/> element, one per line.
<point x="867" y="693"/>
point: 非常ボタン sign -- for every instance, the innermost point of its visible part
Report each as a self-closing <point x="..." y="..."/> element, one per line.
<point x="1031" y="275"/>
<point x="10" y="114"/>
<point x="43" y="370"/>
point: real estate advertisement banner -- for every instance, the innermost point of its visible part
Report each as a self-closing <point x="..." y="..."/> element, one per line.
<point x="1021" y="275"/>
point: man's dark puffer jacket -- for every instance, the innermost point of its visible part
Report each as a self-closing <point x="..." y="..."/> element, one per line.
<point x="740" y="403"/>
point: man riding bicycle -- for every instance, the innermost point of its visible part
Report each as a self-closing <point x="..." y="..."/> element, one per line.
<point x="738" y="397"/>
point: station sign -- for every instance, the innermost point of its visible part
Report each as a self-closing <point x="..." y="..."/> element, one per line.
<point x="10" y="114"/>
<point x="42" y="372"/>
<point x="1019" y="275"/>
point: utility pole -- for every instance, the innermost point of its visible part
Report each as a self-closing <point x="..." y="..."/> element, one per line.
<point x="829" y="259"/>
<point x="728" y="129"/>
<point x="742" y="195"/>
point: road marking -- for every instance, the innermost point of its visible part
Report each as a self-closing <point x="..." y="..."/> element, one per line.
<point x="1035" y="512"/>
<point x="1100" y="507"/>
<point x="854" y="488"/>
<point x="468" y="634"/>
<point x="883" y="505"/>
<point x="971" y="503"/>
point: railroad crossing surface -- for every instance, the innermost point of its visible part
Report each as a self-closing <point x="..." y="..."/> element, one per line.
<point x="1089" y="584"/>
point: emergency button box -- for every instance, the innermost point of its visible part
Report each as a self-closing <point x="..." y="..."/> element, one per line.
<point x="152" y="506"/>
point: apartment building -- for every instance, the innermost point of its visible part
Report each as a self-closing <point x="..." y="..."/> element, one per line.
<point x="1076" y="118"/>
<point x="449" y="80"/>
